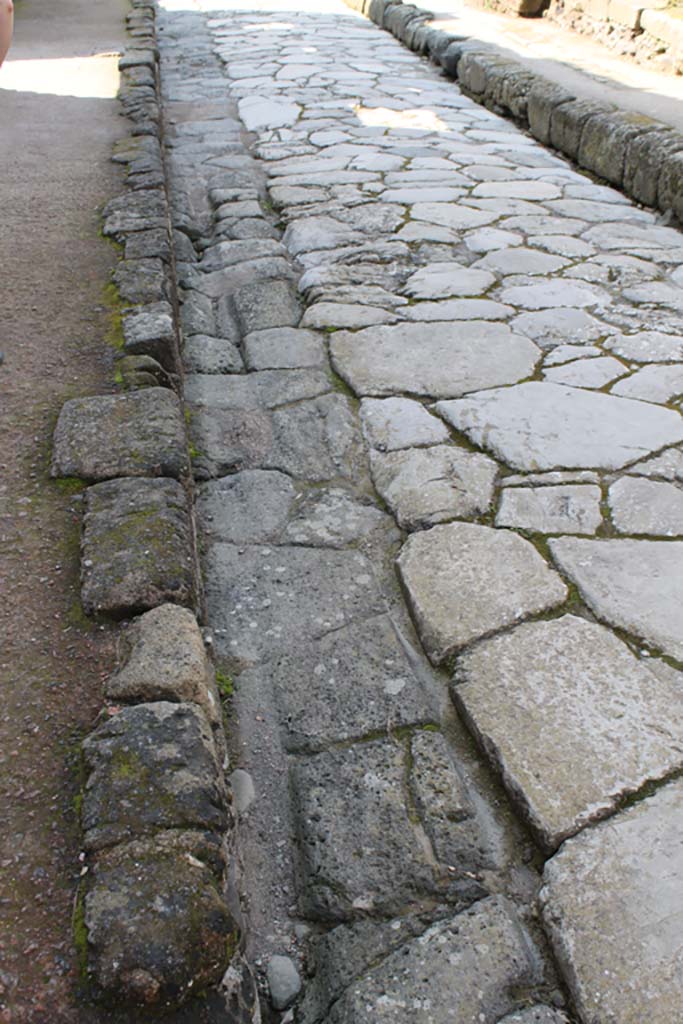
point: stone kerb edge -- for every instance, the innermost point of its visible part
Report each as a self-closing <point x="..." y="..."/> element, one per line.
<point x="614" y="145"/>
<point x="151" y="922"/>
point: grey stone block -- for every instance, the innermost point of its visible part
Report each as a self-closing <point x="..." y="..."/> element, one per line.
<point x="157" y="926"/>
<point x="567" y="121"/>
<point x="495" y="958"/>
<point x="204" y="354"/>
<point x="150" y="331"/>
<point x="134" y="211"/>
<point x="137" y="434"/>
<point x="148" y="244"/>
<point x="283" y="348"/>
<point x="352" y="683"/>
<point x="151" y="767"/>
<point x="612" y="902"/>
<point x="136" y="547"/>
<point x="449" y="58"/>
<point x="670" y="187"/>
<point x="251" y="507"/>
<point x="645" y="157"/>
<point x="163" y="658"/>
<point x="141" y="280"/>
<point x="605" y="139"/>
<point x="265" y="304"/>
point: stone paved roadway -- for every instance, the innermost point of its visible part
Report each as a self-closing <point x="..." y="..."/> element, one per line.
<point x="428" y="360"/>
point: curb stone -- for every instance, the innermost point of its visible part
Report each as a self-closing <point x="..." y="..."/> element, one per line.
<point x="152" y="919"/>
<point x="607" y="142"/>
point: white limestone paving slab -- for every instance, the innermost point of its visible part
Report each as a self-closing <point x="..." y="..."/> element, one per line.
<point x="259" y="112"/>
<point x="443" y="280"/>
<point x="571" y="718"/>
<point x="559" y="325"/>
<point x="647" y="347"/>
<point x="591" y="373"/>
<point x="463" y="581"/>
<point x="539" y="425"/>
<point x="654" y="383"/>
<point x="613" y="906"/>
<point x="390" y="424"/>
<point x="439" y="360"/>
<point x="636" y="585"/>
<point x="561" y="509"/>
<point x="652" y="507"/>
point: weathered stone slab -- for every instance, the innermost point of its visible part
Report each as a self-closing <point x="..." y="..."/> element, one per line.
<point x="521" y="261"/>
<point x="429" y="485"/>
<point x="265" y="389"/>
<point x="646" y="506"/>
<point x="464" y="581"/>
<point x="634" y="584"/>
<point x="647" y="347"/>
<point x="349" y="684"/>
<point x="533" y="426"/>
<point x="586" y="373"/>
<point x="563" y="509"/>
<point x="605" y="140"/>
<point x="551" y="327"/>
<point x="151" y="767"/>
<point x="613" y="902"/>
<point x="390" y="424"/>
<point x="163" y="658"/>
<point x="136" y="547"/>
<point x="494" y="957"/>
<point x="141" y="280"/>
<point x="134" y="211"/>
<point x="360" y="850"/>
<point x="149" y="331"/>
<point x="141" y="433"/>
<point x="158" y="929"/>
<point x="334" y="518"/>
<point x="280" y="348"/>
<point x="250" y="507"/>
<point x="266" y="599"/>
<point x="259" y="112"/>
<point x="265" y="304"/>
<point x="204" y="354"/>
<point x="441" y="362"/>
<point x="572" y="720"/>
<point x="667" y="466"/>
<point x="652" y="384"/>
<point x="443" y="280"/>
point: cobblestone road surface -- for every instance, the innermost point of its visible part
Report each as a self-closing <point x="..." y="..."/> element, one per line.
<point x="434" y="377"/>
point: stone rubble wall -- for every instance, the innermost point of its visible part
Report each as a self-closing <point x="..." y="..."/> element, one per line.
<point x="152" y="920"/>
<point x="637" y="154"/>
<point x="651" y="33"/>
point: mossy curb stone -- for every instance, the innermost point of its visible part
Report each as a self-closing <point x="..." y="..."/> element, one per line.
<point x="136" y="547"/>
<point x="137" y="434"/>
<point x="158" y="931"/>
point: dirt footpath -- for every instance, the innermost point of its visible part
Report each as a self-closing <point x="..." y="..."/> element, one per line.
<point x="58" y="121"/>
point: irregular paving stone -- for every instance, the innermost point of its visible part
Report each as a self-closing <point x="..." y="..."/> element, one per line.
<point x="345" y="314"/>
<point x="567" y="353"/>
<point x="586" y="373"/>
<point x="668" y="466"/>
<point x="564" y="509"/>
<point x="532" y="426"/>
<point x="646" y="506"/>
<point x="494" y="954"/>
<point x="612" y="904"/>
<point x="604" y="572"/>
<point x="250" y="507"/>
<point x="142" y="280"/>
<point x="283" y="348"/>
<point x="463" y="581"/>
<point x="419" y="360"/>
<point x="334" y="518"/>
<point x="134" y="211"/>
<point x="266" y="304"/>
<point x="267" y="599"/>
<point x="459" y="309"/>
<point x="552" y="327"/>
<point x="441" y="280"/>
<point x="158" y="929"/>
<point x="311" y="234"/>
<point x="151" y="767"/>
<point x="136" y="547"/>
<point x="352" y="683"/>
<point x="390" y="424"/>
<point x="647" y="347"/>
<point x="360" y="851"/>
<point x="652" y="384"/>
<point x="572" y="720"/>
<point x="554" y="293"/>
<point x="429" y="485"/>
<point x="258" y="112"/>
<point x="204" y="354"/>
<point x="265" y="389"/>
<point x="521" y="261"/>
<point x="150" y="331"/>
<point x="141" y="433"/>
<point x="164" y="659"/>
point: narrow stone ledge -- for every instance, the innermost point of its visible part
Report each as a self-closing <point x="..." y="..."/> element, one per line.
<point x="108" y="436"/>
<point x="136" y="547"/>
<point x="157" y="930"/>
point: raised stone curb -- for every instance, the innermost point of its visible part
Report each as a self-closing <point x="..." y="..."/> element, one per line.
<point x="596" y="136"/>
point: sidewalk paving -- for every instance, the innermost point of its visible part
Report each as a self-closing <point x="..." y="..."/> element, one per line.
<point x="421" y="348"/>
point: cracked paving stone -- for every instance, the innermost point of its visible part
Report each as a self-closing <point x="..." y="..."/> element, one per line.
<point x="390" y="424"/>
<point x="494" y="955"/>
<point x="441" y="363"/>
<point x="360" y="849"/>
<point x="463" y="581"/>
<point x="612" y="902"/>
<point x="564" y="509"/>
<point x="571" y="719"/>
<point x="533" y="426"/>
<point x="351" y="683"/>
<point x="266" y="599"/>
<point x="605" y="571"/>
<point x="646" y="506"/>
<point x="429" y="485"/>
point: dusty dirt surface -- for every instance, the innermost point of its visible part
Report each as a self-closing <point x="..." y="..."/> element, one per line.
<point x="55" y="172"/>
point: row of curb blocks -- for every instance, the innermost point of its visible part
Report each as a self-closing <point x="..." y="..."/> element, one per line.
<point x="152" y="920"/>
<point x="640" y="156"/>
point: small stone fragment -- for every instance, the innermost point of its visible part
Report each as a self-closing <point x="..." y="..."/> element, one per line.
<point x="284" y="982"/>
